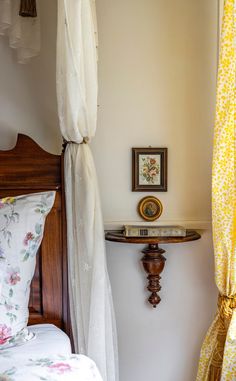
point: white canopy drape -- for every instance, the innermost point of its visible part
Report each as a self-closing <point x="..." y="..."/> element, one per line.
<point x="93" y="322"/>
<point x="23" y="32"/>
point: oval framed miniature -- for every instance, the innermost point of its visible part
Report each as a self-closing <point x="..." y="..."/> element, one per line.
<point x="150" y="208"/>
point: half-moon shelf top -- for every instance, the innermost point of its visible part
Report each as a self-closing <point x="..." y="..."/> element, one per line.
<point x="118" y="236"/>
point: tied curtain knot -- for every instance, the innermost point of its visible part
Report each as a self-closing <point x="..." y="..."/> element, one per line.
<point x="65" y="142"/>
<point x="226" y="306"/>
<point x="85" y="140"/>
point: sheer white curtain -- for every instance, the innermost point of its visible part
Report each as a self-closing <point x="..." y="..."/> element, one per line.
<point x="23" y="32"/>
<point x="91" y="304"/>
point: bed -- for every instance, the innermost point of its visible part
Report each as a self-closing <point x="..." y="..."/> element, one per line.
<point x="24" y="170"/>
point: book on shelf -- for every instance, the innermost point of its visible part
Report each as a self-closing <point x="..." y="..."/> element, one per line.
<point x="154" y="231"/>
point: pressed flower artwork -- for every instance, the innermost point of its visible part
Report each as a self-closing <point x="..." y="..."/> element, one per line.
<point x="149" y="169"/>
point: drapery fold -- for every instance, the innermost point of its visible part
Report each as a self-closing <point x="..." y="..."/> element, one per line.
<point x="91" y="306"/>
<point x="218" y="354"/>
<point x="23" y="32"/>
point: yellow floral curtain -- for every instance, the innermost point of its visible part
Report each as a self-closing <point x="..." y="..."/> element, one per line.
<point x="218" y="354"/>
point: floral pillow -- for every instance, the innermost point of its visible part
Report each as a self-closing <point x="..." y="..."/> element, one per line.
<point x="22" y="221"/>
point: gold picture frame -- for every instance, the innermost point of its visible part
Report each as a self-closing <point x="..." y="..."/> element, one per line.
<point x="150" y="208"/>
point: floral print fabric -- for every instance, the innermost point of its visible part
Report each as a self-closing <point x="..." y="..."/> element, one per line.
<point x="218" y="354"/>
<point x="21" y="230"/>
<point x="52" y="368"/>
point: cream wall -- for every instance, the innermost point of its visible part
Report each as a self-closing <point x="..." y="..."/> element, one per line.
<point x="157" y="69"/>
<point x="157" y="73"/>
<point x="28" y="92"/>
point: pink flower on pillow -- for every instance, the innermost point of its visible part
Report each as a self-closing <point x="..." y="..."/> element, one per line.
<point x="5" y="333"/>
<point x="13" y="276"/>
<point x="29" y="237"/>
<point x="60" y="367"/>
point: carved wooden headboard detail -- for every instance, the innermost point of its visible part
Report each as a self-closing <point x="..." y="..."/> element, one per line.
<point x="27" y="168"/>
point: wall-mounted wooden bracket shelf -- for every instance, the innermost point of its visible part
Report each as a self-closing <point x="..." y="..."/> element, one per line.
<point x="153" y="259"/>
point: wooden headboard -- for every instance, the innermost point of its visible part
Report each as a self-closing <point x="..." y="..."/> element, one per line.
<point x="27" y="168"/>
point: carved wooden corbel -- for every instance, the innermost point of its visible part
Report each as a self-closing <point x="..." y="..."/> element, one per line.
<point x="153" y="260"/>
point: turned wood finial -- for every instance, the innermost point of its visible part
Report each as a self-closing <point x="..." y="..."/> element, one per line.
<point x="153" y="263"/>
<point x="28" y="8"/>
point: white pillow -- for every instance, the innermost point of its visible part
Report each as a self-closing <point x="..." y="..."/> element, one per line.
<point x="22" y="221"/>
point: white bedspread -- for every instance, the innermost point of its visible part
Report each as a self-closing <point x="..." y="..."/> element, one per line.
<point x="48" y="340"/>
<point x="46" y="358"/>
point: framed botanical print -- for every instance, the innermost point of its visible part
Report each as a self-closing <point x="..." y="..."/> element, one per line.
<point x="149" y="169"/>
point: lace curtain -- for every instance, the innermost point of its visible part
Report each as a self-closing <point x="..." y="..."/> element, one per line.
<point x="91" y="306"/>
<point x="23" y="32"/>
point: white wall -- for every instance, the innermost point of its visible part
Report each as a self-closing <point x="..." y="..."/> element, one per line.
<point x="157" y="69"/>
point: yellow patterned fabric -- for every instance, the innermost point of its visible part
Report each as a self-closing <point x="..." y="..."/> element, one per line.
<point x="218" y="354"/>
